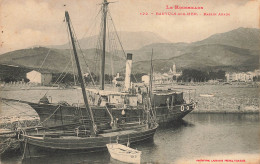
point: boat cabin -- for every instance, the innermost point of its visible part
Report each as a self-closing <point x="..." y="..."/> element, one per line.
<point x="167" y="98"/>
<point x="112" y="98"/>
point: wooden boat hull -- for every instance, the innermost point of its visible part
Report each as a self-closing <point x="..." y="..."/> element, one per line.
<point x="54" y="115"/>
<point x="34" y="146"/>
<point x="175" y="113"/>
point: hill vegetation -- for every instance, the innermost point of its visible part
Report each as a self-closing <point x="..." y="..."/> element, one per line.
<point x="236" y="50"/>
<point x="10" y="73"/>
<point x="59" y="60"/>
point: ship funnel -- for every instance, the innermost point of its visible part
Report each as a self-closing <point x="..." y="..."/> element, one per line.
<point x="128" y="68"/>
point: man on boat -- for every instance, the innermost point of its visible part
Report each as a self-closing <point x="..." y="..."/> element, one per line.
<point x="44" y="100"/>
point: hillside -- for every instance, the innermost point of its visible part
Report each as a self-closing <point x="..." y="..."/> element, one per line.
<point x="57" y="59"/>
<point x="236" y="50"/>
<point x="129" y="40"/>
<point x="247" y="38"/>
<point x="206" y="57"/>
<point x="10" y="73"/>
<point x="160" y="51"/>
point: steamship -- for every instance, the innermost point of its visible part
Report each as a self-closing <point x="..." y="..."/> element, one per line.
<point x="121" y="106"/>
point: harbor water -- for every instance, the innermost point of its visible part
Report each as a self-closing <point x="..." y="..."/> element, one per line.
<point x="198" y="136"/>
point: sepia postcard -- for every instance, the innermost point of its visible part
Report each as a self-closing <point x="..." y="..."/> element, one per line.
<point x="129" y="81"/>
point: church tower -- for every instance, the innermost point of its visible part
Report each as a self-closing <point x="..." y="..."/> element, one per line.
<point x="174" y="69"/>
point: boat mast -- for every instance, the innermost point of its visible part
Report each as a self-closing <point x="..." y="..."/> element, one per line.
<point x="151" y="77"/>
<point x="150" y="91"/>
<point x="103" y="57"/>
<point x="93" y="129"/>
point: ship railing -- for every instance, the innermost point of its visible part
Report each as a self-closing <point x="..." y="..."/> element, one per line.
<point x="103" y="120"/>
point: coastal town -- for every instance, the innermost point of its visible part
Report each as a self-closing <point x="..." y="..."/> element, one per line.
<point x="45" y="77"/>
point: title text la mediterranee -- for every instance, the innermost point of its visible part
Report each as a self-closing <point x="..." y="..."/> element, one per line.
<point x="183" y="7"/>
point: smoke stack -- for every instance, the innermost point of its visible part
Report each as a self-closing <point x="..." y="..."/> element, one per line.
<point x="128" y="68"/>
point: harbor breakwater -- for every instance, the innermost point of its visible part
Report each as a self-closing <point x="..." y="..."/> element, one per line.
<point x="223" y="98"/>
<point x="9" y="126"/>
<point x="216" y="104"/>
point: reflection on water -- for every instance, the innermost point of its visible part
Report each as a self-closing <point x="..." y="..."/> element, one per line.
<point x="197" y="135"/>
<point x="68" y="158"/>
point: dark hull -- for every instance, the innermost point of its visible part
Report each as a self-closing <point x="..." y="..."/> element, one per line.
<point x="37" y="146"/>
<point x="54" y="115"/>
<point x="165" y="115"/>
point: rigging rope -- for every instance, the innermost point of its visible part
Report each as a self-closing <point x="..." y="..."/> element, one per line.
<point x="89" y="111"/>
<point x="100" y="42"/>
<point x="94" y="23"/>
<point x="83" y="57"/>
<point x="72" y="61"/>
<point x="119" y="38"/>
<point x="45" y="56"/>
<point x="116" y="32"/>
<point x="49" y="116"/>
<point x="110" y="51"/>
<point x="41" y="64"/>
<point x="56" y="82"/>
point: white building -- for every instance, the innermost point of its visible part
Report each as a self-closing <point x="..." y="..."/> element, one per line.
<point x="145" y="79"/>
<point x="241" y="76"/>
<point x="158" y="78"/>
<point x="42" y="77"/>
<point x="257" y="72"/>
<point x="161" y="78"/>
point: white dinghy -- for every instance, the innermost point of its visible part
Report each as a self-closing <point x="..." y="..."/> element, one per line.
<point x="124" y="153"/>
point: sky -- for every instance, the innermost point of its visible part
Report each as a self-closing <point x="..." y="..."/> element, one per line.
<point x="25" y="23"/>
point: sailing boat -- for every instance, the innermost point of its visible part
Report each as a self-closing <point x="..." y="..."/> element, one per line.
<point x="92" y="139"/>
<point x="107" y="107"/>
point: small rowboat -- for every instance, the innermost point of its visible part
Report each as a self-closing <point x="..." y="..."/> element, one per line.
<point x="124" y="153"/>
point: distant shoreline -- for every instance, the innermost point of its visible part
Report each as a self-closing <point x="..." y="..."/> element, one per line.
<point x="225" y="112"/>
<point x="187" y="84"/>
